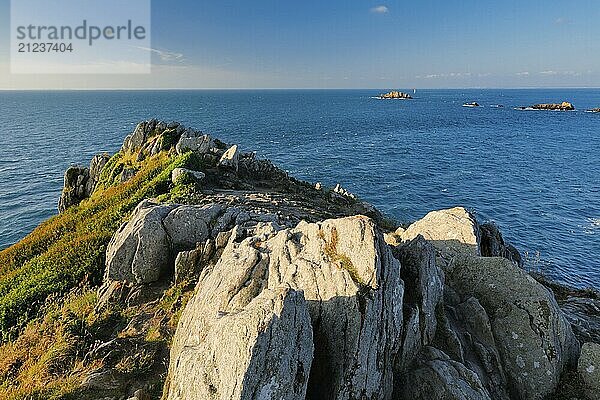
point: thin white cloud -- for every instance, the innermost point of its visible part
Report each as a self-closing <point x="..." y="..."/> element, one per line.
<point x="562" y="21"/>
<point x="446" y="75"/>
<point x="380" y="10"/>
<point x="166" y="56"/>
<point x="564" y="73"/>
<point x="524" y="73"/>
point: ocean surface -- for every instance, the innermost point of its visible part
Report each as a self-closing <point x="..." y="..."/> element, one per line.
<point x="535" y="173"/>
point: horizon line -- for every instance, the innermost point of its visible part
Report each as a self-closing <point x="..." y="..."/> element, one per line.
<point x="281" y="88"/>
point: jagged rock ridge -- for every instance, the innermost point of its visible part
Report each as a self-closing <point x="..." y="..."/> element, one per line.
<point x="299" y="296"/>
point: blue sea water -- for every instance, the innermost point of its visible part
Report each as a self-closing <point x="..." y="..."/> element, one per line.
<point x="536" y="173"/>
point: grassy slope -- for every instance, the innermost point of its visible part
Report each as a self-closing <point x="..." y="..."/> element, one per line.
<point x="46" y="306"/>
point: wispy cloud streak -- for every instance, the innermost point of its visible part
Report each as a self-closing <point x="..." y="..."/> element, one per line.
<point x="166" y="56"/>
<point x="380" y="10"/>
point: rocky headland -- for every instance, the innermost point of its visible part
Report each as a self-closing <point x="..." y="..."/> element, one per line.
<point x="394" y="95"/>
<point x="185" y="268"/>
<point x="564" y="106"/>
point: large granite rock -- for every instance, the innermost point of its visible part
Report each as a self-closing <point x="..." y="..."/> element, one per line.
<point x="140" y="250"/>
<point x="195" y="141"/>
<point x="351" y="281"/>
<point x="584" y="315"/>
<point x="160" y="240"/>
<point x="230" y="159"/>
<point x="189" y="264"/>
<point x="184" y="175"/>
<point x="453" y="231"/>
<point x="492" y="244"/>
<point x="467" y="334"/>
<point x="497" y="321"/>
<point x="437" y="377"/>
<point x="532" y="336"/>
<point x="354" y="293"/>
<point x="143" y="249"/>
<point x="74" y="187"/>
<point x="589" y="370"/>
<point x="96" y="165"/>
<point x="187" y="226"/>
<point x="79" y="182"/>
<point x="423" y="294"/>
<point x="459" y="329"/>
<point x="138" y="138"/>
<point x="239" y="347"/>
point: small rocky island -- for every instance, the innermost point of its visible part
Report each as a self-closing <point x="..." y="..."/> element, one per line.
<point x="394" y="95"/>
<point x="594" y="110"/>
<point x="564" y="106"/>
<point x="184" y="268"/>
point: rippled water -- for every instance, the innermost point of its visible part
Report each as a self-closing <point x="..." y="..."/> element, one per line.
<point x="537" y="174"/>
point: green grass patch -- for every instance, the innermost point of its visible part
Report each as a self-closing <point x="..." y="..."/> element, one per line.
<point x="39" y="363"/>
<point x="69" y="249"/>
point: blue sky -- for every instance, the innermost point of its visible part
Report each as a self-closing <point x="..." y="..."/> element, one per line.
<point x="355" y="44"/>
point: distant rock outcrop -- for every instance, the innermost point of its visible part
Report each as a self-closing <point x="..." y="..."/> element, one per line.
<point x="564" y="106"/>
<point x="394" y="95"/>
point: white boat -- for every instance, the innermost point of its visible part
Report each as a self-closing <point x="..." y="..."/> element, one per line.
<point x="473" y="104"/>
